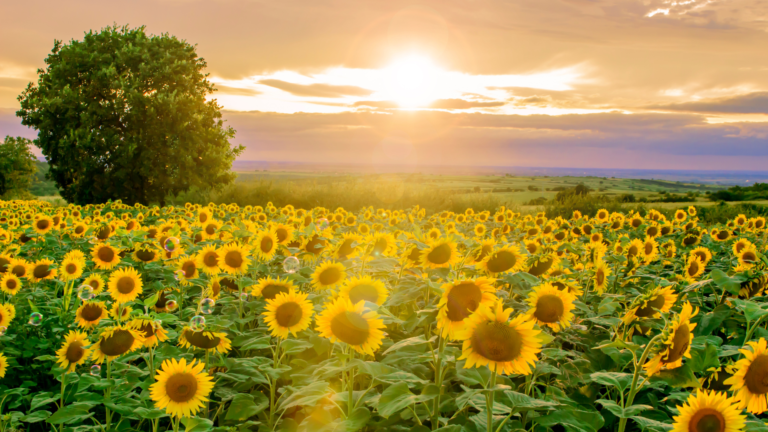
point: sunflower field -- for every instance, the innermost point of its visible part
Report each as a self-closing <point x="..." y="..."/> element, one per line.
<point x="227" y="318"/>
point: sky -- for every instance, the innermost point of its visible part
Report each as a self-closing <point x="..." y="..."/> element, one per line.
<point x="641" y="84"/>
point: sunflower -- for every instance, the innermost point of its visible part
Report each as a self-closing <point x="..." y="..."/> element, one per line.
<point x="266" y="243"/>
<point x="151" y="332"/>
<point x="147" y="253"/>
<point x="208" y="260"/>
<point x="125" y="285"/>
<point x="543" y="264"/>
<point x="753" y="287"/>
<point x="680" y="216"/>
<point x="650" y="250"/>
<point x="651" y="304"/>
<point x="354" y="325"/>
<point x="602" y="271"/>
<point x="269" y="288"/>
<point x="748" y="383"/>
<point x="90" y="313"/>
<point x="43" y="224"/>
<point x="188" y="267"/>
<point x="71" y="269"/>
<point x="19" y="267"/>
<point x="506" y="347"/>
<point x="42" y="270"/>
<point x="96" y="282"/>
<point x="10" y="284"/>
<point x="120" y="312"/>
<point x="439" y="253"/>
<point x="704" y="254"/>
<point x="288" y="313"/>
<point x="181" y="388"/>
<point x="207" y="340"/>
<point x="114" y="342"/>
<point x="551" y="307"/>
<point x="73" y="351"/>
<point x="210" y="229"/>
<point x="505" y="259"/>
<point x="234" y="259"/>
<point x="459" y="300"/>
<point x="364" y="289"/>
<point x="739" y="245"/>
<point x="105" y="256"/>
<point x="6" y="315"/>
<point x="348" y="247"/>
<point x="748" y="256"/>
<point x="709" y="411"/>
<point x="381" y="244"/>
<point x="676" y="342"/>
<point x="328" y="275"/>
<point x="693" y="268"/>
<point x="284" y="233"/>
<point x="3" y="365"/>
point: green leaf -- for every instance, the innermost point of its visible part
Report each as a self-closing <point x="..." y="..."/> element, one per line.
<point x="620" y="412"/>
<point x="75" y="411"/>
<point x="150" y="413"/>
<point x="712" y="320"/>
<point x="295" y="346"/>
<point x="521" y="402"/>
<point x="681" y="377"/>
<point x="196" y="424"/>
<point x="730" y="284"/>
<point x="414" y="341"/>
<point x="35" y="417"/>
<point x="150" y="302"/>
<point x="620" y="380"/>
<point x="306" y="396"/>
<point x="652" y="425"/>
<point x="398" y="397"/>
<point x="752" y="311"/>
<point x="244" y="406"/>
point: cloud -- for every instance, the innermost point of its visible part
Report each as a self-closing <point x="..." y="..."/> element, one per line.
<point x="316" y="90"/>
<point x="236" y="91"/>
<point x="446" y="104"/>
<point x="750" y="103"/>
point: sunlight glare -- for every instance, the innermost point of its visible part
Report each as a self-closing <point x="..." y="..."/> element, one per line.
<point x="413" y="81"/>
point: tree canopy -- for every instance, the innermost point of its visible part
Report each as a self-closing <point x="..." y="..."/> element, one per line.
<point x="17" y="167"/>
<point x="123" y="115"/>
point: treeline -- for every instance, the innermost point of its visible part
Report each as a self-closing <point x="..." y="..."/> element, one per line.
<point x="758" y="191"/>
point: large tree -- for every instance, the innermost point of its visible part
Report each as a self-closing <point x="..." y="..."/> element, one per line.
<point x="17" y="167"/>
<point x="123" y="115"/>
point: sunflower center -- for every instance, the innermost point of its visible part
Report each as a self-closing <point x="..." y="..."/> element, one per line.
<point x="43" y="224"/>
<point x="415" y="254"/>
<point x="350" y="327"/>
<point x="201" y="340"/>
<point x="125" y="285"/>
<point x="541" y="266"/>
<point x="288" y="314"/>
<point x="648" y="248"/>
<point x="147" y="330"/>
<point x="79" y="229"/>
<point x="693" y="268"/>
<point x="103" y="233"/>
<point x="234" y="259"/>
<point x="707" y="420"/>
<point x="316" y="245"/>
<point x="266" y="244"/>
<point x="652" y="231"/>
<point x="723" y="235"/>
<point x="181" y="387"/>
<point x="501" y="261"/>
<point x="549" y="308"/>
<point x="363" y="292"/>
<point x="211" y="259"/>
<point x="210" y="229"/>
<point x="118" y="343"/>
<point x="189" y="269"/>
<point x="757" y="375"/>
<point x="749" y="257"/>
<point x="282" y="234"/>
<point x="497" y="342"/>
<point x="41" y="271"/>
<point x="346" y="248"/>
<point x="91" y="312"/>
<point x="271" y="291"/>
<point x="145" y="255"/>
<point x="75" y="352"/>
<point x="650" y="307"/>
<point x="600" y="276"/>
<point x="679" y="346"/>
<point x="329" y="276"/>
<point x="440" y="254"/>
<point x="71" y="268"/>
<point x="106" y="254"/>
<point x="463" y="299"/>
<point x="380" y="246"/>
<point x="11" y="284"/>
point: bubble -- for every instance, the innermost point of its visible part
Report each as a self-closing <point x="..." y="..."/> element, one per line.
<point x="171" y="305"/>
<point x="244" y="296"/>
<point x="179" y="275"/>
<point x="85" y="292"/>
<point x="35" y="318"/>
<point x="96" y="370"/>
<point x="321" y="224"/>
<point x="291" y="265"/>
<point x="171" y="244"/>
<point x="3" y="329"/>
<point x="197" y="323"/>
<point x="206" y="305"/>
<point x="157" y="324"/>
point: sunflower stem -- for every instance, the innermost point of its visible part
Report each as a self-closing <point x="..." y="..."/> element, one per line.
<point x="438" y="382"/>
<point x="108" y="393"/>
<point x="351" y="386"/>
<point x="633" y="388"/>
<point x="63" y="386"/>
<point x="489" y="400"/>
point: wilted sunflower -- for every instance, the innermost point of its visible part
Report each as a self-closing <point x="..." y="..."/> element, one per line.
<point x="125" y="285"/>
<point x="181" y="388"/>
<point x="328" y="275"/>
<point x="709" y="411"/>
<point x="96" y="282"/>
<point x="676" y="342"/>
<point x="506" y="347"/>
<point x="151" y="332"/>
<point x="71" y="269"/>
<point x="551" y="307"/>
<point x="10" y="284"/>
<point x="208" y="260"/>
<point x="459" y="300"/>
<point x="288" y="313"/>
<point x="602" y="271"/>
<point x="439" y="253"/>
<point x="233" y="259"/>
<point x="90" y="313"/>
<point x="651" y="304"/>
<point x="105" y="256"/>
<point x="341" y="321"/>
<point x="749" y="383"/>
<point x="73" y="351"/>
<point x="505" y="259"/>
<point x="114" y="342"/>
<point x="3" y="365"/>
<point x="364" y="289"/>
<point x="207" y="340"/>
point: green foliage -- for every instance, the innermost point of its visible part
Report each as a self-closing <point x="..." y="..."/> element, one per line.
<point x="42" y="185"/>
<point x="758" y="191"/>
<point x="17" y="167"/>
<point x="123" y="115"/>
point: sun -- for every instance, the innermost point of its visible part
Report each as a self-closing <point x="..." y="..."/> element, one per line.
<point x="412" y="81"/>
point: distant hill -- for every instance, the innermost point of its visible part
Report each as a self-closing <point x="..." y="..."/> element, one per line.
<point x="42" y="186"/>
